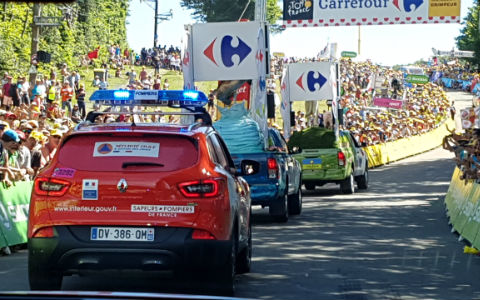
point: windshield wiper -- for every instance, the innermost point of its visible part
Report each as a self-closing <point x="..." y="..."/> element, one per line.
<point x="141" y="163"/>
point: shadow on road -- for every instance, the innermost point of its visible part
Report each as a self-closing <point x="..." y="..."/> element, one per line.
<point x="389" y="242"/>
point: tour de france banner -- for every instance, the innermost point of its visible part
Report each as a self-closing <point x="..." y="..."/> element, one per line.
<point x="304" y="13"/>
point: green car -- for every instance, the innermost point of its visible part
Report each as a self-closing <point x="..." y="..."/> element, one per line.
<point x="328" y="159"/>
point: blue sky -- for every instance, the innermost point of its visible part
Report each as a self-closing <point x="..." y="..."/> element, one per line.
<point x="385" y="44"/>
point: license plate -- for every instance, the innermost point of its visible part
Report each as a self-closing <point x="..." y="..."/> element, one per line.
<point x="312" y="164"/>
<point x="122" y="234"/>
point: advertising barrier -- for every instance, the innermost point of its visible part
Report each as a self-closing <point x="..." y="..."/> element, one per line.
<point x="449" y="83"/>
<point x="382" y="154"/>
<point x="463" y="208"/>
<point x="14" y="206"/>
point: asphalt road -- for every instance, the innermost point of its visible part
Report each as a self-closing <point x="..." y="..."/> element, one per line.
<point x="390" y="242"/>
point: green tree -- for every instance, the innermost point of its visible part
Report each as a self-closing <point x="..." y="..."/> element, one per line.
<point x="83" y="26"/>
<point x="230" y="11"/>
<point x="469" y="38"/>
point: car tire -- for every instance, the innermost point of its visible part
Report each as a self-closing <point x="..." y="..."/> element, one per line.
<point x="295" y="202"/>
<point x="42" y="280"/>
<point x="282" y="207"/>
<point x="362" y="181"/>
<point x="225" y="277"/>
<point x="244" y="259"/>
<point x="310" y="186"/>
<point x="347" y="185"/>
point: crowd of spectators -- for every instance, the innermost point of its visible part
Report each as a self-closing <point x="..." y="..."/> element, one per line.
<point x="33" y="119"/>
<point x="466" y="147"/>
<point x="424" y="107"/>
<point x="36" y="117"/>
<point x="160" y="57"/>
<point x="146" y="81"/>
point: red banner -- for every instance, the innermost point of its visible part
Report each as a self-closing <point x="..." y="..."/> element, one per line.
<point x="389" y="103"/>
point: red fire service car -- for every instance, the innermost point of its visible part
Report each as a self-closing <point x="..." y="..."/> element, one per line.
<point x="141" y="196"/>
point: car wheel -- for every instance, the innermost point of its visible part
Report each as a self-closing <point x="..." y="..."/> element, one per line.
<point x="226" y="275"/>
<point x="244" y="259"/>
<point x="309" y="186"/>
<point x="347" y="185"/>
<point x="44" y="280"/>
<point x="295" y="202"/>
<point x="280" y="214"/>
<point x="362" y="181"/>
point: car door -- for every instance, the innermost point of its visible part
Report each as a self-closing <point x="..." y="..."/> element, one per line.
<point x="286" y="160"/>
<point x="359" y="155"/>
<point x="239" y="204"/>
<point x="294" y="168"/>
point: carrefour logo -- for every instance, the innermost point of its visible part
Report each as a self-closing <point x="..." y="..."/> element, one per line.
<point x="227" y="51"/>
<point x="314" y="81"/>
<point x="401" y="5"/>
<point x="408" y="5"/>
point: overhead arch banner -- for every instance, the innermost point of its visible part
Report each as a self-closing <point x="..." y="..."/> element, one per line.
<point x="306" y="13"/>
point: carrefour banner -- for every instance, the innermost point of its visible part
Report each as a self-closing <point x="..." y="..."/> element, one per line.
<point x="312" y="81"/>
<point x="227" y="51"/>
<point x="303" y="13"/>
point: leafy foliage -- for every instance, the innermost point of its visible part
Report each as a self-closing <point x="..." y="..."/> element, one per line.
<point x="313" y="138"/>
<point x="469" y="39"/>
<point x="230" y="11"/>
<point x="84" y="25"/>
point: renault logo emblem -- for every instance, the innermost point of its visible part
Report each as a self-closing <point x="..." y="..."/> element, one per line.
<point x="122" y="185"/>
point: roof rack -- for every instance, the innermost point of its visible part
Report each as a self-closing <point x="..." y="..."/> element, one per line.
<point x="169" y="98"/>
<point x="191" y="100"/>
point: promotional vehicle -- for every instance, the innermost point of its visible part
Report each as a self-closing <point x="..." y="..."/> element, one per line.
<point x="328" y="159"/>
<point x="141" y="196"/>
<point x="277" y="184"/>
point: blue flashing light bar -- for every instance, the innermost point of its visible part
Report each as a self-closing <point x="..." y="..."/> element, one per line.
<point x="179" y="98"/>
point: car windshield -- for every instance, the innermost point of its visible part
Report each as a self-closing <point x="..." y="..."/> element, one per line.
<point x="266" y="149"/>
<point x="109" y="152"/>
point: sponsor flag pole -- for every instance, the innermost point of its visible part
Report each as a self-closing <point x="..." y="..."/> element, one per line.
<point x="359" y="39"/>
<point x="187" y="68"/>
<point x="285" y="107"/>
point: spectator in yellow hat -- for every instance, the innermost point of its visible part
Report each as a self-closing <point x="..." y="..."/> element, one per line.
<point x="50" y="148"/>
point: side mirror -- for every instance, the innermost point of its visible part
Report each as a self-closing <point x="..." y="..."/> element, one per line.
<point x="249" y="167"/>
<point x="295" y="150"/>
